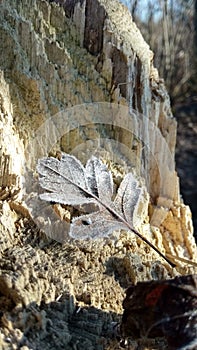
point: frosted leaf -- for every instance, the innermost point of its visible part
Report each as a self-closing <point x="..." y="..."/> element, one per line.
<point x="68" y="182"/>
<point x="99" y="179"/>
<point x="94" y="225"/>
<point x="65" y="179"/>
<point x="128" y="198"/>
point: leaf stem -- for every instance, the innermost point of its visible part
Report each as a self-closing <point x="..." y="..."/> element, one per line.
<point x="131" y="228"/>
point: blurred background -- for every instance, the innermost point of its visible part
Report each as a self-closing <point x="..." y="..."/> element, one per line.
<point x="170" y="28"/>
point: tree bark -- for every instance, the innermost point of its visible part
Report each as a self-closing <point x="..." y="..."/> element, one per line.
<point x="62" y="65"/>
